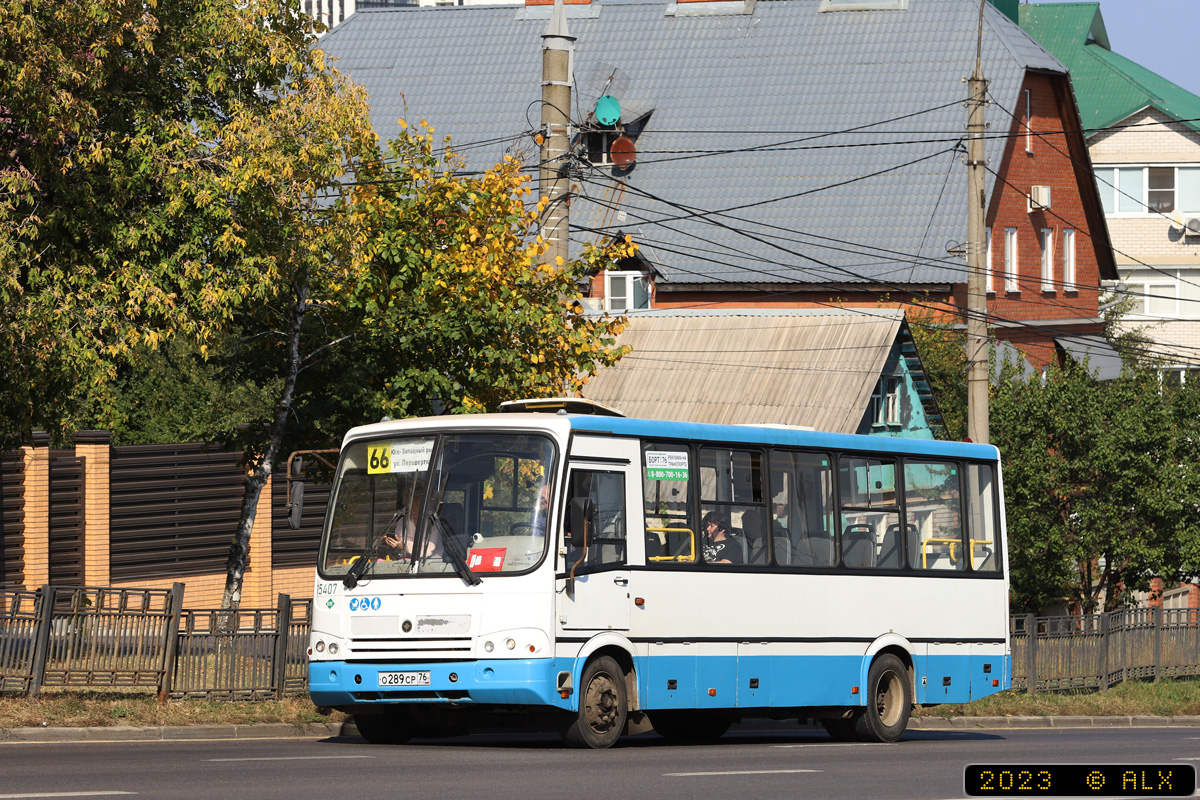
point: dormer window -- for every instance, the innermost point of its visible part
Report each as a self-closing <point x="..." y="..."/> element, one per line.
<point x="626" y="291"/>
<point x="599" y="146"/>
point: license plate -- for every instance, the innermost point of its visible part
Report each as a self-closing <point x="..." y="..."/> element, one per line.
<point x="404" y="678"/>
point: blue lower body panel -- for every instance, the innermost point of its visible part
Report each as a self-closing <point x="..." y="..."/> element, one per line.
<point x="529" y="682"/>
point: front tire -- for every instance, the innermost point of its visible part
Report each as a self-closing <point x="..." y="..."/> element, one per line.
<point x="603" y="706"/>
<point x="889" y="701"/>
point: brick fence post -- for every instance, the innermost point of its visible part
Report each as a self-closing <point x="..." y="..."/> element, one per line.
<point x="36" y="558"/>
<point x="94" y="448"/>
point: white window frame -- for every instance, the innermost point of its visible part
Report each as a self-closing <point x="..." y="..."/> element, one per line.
<point x="1143" y="201"/>
<point x="627" y="277"/>
<point x="1068" y="260"/>
<point x="991" y="288"/>
<point x="1028" y="121"/>
<point x="1157" y="289"/>
<point x="1046" y="243"/>
<point x="886" y="401"/>
<point x="1011" y="260"/>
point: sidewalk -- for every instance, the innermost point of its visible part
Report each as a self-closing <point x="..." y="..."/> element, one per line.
<point x="324" y="730"/>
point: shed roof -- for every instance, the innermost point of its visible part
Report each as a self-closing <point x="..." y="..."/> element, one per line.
<point x="801" y="367"/>
<point x="786" y="144"/>
<point x="1108" y="86"/>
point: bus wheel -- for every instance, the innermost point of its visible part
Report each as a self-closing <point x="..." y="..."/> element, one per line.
<point x="690" y="727"/>
<point x="889" y="701"/>
<point x="385" y="728"/>
<point x="602" y="706"/>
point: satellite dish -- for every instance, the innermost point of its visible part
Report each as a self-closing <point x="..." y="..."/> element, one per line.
<point x="605" y="79"/>
<point x="623" y="152"/>
<point x="608" y="110"/>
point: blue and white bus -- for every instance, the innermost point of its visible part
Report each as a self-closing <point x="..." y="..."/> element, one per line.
<point x="533" y="567"/>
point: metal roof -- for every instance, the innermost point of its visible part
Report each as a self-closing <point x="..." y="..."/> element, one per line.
<point x="1108" y="86"/>
<point x="785" y="145"/>
<point x="807" y="367"/>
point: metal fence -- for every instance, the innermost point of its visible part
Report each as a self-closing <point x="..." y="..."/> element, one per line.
<point x="101" y="637"/>
<point x="1096" y="651"/>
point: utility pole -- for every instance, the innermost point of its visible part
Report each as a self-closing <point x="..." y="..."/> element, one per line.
<point x="977" y="342"/>
<point x="558" y="53"/>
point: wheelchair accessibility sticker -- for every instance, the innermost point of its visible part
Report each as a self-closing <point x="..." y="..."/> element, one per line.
<point x="364" y="603"/>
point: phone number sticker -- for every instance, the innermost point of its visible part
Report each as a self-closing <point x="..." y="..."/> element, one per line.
<point x="666" y="466"/>
<point x="399" y="456"/>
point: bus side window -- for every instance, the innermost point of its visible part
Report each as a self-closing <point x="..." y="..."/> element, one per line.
<point x="933" y="500"/>
<point x="667" y="476"/>
<point x="802" y="509"/>
<point x="981" y="495"/>
<point x="870" y="516"/>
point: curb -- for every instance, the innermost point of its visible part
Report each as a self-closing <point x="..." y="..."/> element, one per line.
<point x="968" y="723"/>
<point x="125" y="733"/>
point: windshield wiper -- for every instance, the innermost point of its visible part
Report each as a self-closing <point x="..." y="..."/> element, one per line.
<point x="450" y="542"/>
<point x="360" y="567"/>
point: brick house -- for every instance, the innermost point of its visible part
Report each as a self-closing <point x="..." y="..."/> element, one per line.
<point x="1144" y="139"/>
<point x="789" y="154"/>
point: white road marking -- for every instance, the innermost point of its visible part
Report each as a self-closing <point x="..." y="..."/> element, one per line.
<point x="1185" y="759"/>
<point x="738" y="772"/>
<point x="62" y="794"/>
<point x="285" y="758"/>
<point x="835" y="744"/>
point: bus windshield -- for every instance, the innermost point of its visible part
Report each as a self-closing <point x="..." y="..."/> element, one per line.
<point x="421" y="505"/>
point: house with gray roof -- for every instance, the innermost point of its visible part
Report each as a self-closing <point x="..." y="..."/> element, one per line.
<point x="775" y="153"/>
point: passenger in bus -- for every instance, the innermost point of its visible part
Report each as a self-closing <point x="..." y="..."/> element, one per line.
<point x="719" y="546"/>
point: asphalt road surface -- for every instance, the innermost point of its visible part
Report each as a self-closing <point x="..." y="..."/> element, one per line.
<point x="766" y="761"/>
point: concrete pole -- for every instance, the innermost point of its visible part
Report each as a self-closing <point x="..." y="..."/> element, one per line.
<point x="977" y="342"/>
<point x="558" y="52"/>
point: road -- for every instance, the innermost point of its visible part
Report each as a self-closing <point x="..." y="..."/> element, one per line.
<point x="760" y="762"/>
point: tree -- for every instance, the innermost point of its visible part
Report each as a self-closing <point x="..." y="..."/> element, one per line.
<point x="160" y="164"/>
<point x="446" y="308"/>
<point x="944" y="356"/>
<point x="1100" y="484"/>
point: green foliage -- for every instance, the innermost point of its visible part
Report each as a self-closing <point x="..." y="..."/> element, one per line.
<point x="943" y="353"/>
<point x="1101" y="485"/>
<point x="160" y="161"/>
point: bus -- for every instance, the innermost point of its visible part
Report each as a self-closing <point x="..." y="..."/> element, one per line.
<point x="558" y="564"/>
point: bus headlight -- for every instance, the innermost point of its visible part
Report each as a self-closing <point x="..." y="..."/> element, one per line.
<point x="319" y="646"/>
<point x="333" y="648"/>
<point x="510" y="644"/>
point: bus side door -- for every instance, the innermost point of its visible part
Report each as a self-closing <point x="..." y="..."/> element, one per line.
<point x="604" y="470"/>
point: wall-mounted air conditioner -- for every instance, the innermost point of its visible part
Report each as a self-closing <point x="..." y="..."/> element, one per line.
<point x="1192" y="228"/>
<point x="1039" y="198"/>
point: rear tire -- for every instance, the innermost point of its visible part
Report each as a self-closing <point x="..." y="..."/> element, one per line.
<point x="690" y="727"/>
<point x="386" y="728"/>
<point x="889" y="701"/>
<point x="603" y="708"/>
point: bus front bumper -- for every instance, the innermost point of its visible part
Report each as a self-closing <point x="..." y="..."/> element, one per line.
<point x="529" y="682"/>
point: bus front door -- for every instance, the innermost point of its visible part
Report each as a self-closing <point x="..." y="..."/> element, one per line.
<point x="598" y="597"/>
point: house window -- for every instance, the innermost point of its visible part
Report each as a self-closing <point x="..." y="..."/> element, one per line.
<point x="1152" y="298"/>
<point x="1068" y="248"/>
<point x="1028" y="121"/>
<point x="885" y="403"/>
<point x="1149" y="190"/>
<point x="625" y="291"/>
<point x="599" y="146"/>
<point x="988" y="273"/>
<point x="1175" y="377"/>
<point x="1046" y="242"/>
<point x="1010" y="260"/>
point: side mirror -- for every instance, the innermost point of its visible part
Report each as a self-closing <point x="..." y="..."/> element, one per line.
<point x="581" y="513"/>
<point x="295" y="503"/>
